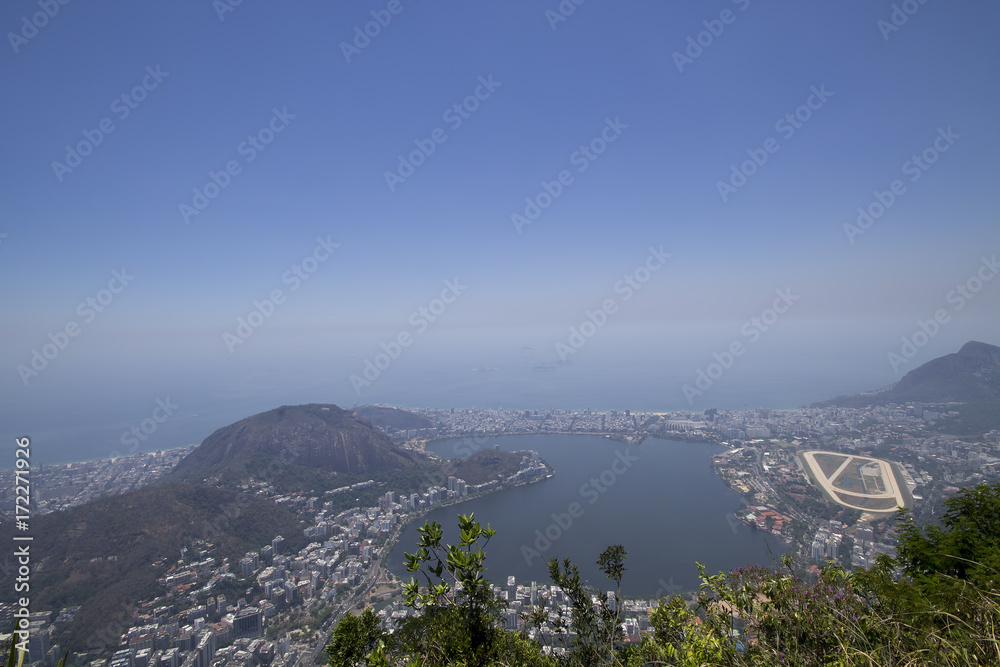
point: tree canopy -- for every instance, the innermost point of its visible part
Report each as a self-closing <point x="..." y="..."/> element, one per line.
<point x="936" y="603"/>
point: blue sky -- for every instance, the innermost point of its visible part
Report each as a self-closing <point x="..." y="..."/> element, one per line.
<point x="553" y="90"/>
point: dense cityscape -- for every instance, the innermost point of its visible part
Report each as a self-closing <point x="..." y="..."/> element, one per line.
<point x="276" y="607"/>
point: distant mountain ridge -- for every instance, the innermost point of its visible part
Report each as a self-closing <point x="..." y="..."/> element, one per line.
<point x="321" y="438"/>
<point x="972" y="373"/>
<point x="393" y="418"/>
<point x="970" y="377"/>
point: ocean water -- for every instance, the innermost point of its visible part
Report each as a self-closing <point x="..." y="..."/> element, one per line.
<point x="91" y="424"/>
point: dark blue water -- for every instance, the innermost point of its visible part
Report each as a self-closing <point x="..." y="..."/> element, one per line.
<point x="667" y="507"/>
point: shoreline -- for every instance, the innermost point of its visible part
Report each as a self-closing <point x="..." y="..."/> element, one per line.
<point x="390" y="543"/>
<point x="629" y="439"/>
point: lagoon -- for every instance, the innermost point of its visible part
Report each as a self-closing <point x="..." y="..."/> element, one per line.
<point x="660" y="499"/>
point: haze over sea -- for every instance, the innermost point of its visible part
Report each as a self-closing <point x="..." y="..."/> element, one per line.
<point x="78" y="427"/>
<point x="664" y="504"/>
<point x="221" y="220"/>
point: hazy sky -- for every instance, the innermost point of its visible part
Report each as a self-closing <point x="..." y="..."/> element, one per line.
<point x="627" y="123"/>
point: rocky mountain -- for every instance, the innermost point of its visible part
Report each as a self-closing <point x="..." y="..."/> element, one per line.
<point x="968" y="379"/>
<point x="302" y="445"/>
<point x="107" y="553"/>
<point x="971" y="374"/>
